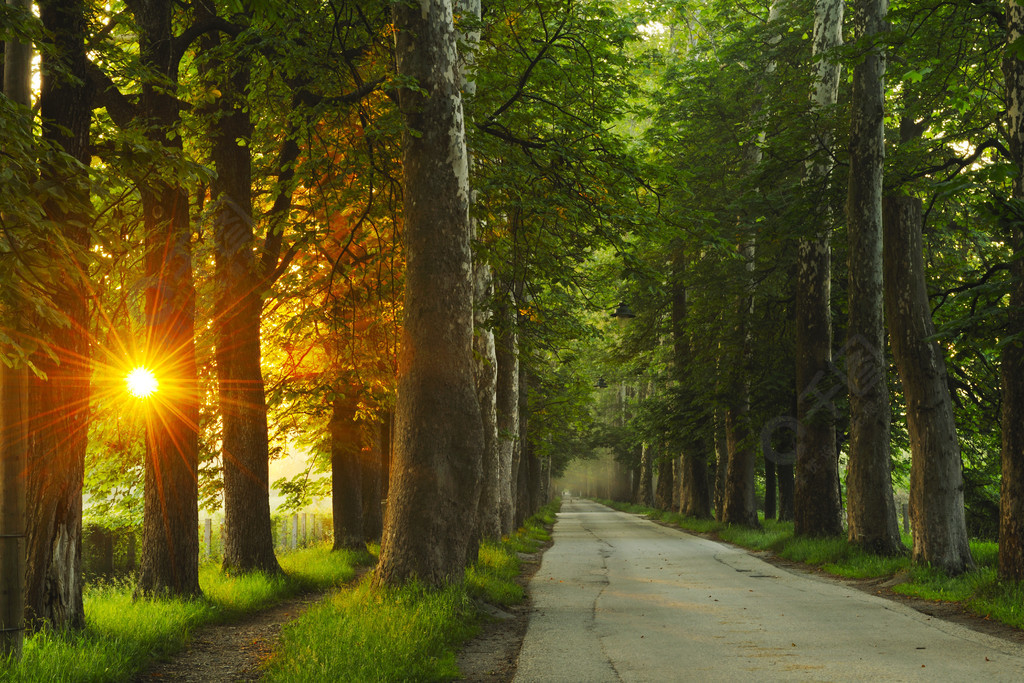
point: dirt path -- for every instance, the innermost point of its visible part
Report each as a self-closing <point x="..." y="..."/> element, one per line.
<point x="231" y="652"/>
<point x="237" y="651"/>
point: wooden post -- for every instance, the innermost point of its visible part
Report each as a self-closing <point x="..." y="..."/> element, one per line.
<point x="207" y="536"/>
<point x="295" y="531"/>
<point x="305" y="530"/>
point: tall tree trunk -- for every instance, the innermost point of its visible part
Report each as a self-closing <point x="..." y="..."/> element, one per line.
<point x="721" y="463"/>
<point x="14" y="414"/>
<point x="817" y="510"/>
<point x="245" y="452"/>
<point x="663" y="491"/>
<point x="507" y="410"/>
<point x="645" y="490"/>
<point x="59" y="405"/>
<point x="871" y="510"/>
<point x="346" y="477"/>
<point x="486" y="369"/>
<point x="13" y="462"/>
<point x="170" y="542"/>
<point x="439" y="439"/>
<point x="740" y="501"/>
<point x="936" y="479"/>
<point x="1011" y="499"/>
<point x="525" y="452"/>
<point x="694" y="486"/>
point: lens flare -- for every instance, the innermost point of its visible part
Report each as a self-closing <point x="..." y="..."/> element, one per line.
<point x="141" y="382"/>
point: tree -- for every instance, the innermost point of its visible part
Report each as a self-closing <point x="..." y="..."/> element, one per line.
<point x="14" y="385"/>
<point x="248" y="543"/>
<point x="871" y="510"/>
<point x="439" y="439"/>
<point x="1011" y="500"/>
<point x="817" y="507"/>
<point x="346" y="470"/>
<point x="936" y="482"/>
<point x="170" y="542"/>
<point x="59" y="400"/>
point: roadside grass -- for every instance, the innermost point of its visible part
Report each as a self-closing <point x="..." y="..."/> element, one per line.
<point x="123" y="635"/>
<point x="407" y="633"/>
<point x="979" y="590"/>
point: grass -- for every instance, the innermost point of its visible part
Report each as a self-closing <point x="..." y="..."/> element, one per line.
<point x="123" y="635"/>
<point x="408" y="633"/>
<point x="979" y="590"/>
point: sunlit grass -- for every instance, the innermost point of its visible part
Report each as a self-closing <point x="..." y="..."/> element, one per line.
<point x="124" y="635"/>
<point x="403" y="634"/>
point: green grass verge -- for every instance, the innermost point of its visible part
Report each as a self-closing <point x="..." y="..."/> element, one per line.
<point x="408" y="633"/>
<point x="123" y="636"/>
<point x="979" y="590"/>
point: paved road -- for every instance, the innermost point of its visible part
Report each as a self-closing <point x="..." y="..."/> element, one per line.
<point x="620" y="598"/>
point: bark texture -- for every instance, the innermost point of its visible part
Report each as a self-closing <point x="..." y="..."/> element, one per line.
<point x="486" y="371"/>
<point x="694" y="485"/>
<point x="59" y="405"/>
<point x="170" y="542"/>
<point x="936" y="479"/>
<point x="346" y="477"/>
<point x="817" y="510"/>
<point x="666" y="484"/>
<point x="13" y="410"/>
<point x="1011" y="499"/>
<point x="438" y="440"/>
<point x="871" y="511"/>
<point x="507" y="411"/>
<point x="245" y="453"/>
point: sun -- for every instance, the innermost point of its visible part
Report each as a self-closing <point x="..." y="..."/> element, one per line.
<point x="141" y="382"/>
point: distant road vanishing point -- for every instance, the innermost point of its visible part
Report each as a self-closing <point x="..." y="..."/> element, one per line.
<point x="620" y="598"/>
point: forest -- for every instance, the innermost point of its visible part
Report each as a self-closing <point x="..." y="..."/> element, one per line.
<point x="763" y="255"/>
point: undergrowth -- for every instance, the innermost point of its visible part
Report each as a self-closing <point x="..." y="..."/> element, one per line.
<point x="407" y="633"/>
<point x="123" y="635"/>
<point x="979" y="590"/>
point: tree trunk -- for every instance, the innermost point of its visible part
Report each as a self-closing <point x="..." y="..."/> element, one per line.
<point x="14" y="407"/>
<point x="694" y="487"/>
<point x="663" y="491"/>
<point x="346" y="478"/>
<point x="486" y="368"/>
<point x="936" y="479"/>
<point x="58" y="406"/>
<point x="13" y="462"/>
<point x="721" y="463"/>
<point x="771" y="488"/>
<point x="786" y="492"/>
<point x="170" y="543"/>
<point x="816" y="509"/>
<point x="645" y="490"/>
<point x="371" y="468"/>
<point x="439" y="439"/>
<point x="507" y="410"/>
<point x="871" y="510"/>
<point x="740" y="504"/>
<point x="525" y="452"/>
<point x="1011" y="498"/>
<point x="248" y="540"/>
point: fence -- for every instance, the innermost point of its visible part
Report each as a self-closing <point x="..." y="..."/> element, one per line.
<point x="110" y="553"/>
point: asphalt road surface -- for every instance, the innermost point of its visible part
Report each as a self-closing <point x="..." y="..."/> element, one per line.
<point x="620" y="598"/>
